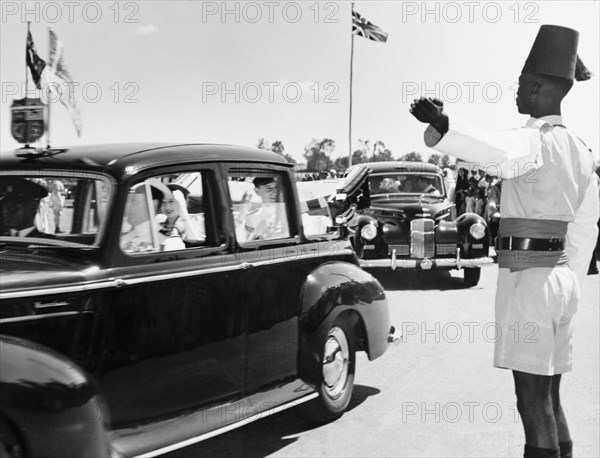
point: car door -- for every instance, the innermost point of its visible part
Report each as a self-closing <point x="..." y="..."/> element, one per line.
<point x="173" y="334"/>
<point x="274" y="269"/>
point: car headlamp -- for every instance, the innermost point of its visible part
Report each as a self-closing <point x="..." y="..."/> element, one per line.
<point x="368" y="231"/>
<point x="477" y="230"/>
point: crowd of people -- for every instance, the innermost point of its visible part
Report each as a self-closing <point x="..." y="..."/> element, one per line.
<point x="318" y="176"/>
<point x="475" y="192"/>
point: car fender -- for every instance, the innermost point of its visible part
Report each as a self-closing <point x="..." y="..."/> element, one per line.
<point x="340" y="290"/>
<point x="463" y="223"/>
<point x="447" y="232"/>
<point x="361" y="221"/>
<point x="52" y="404"/>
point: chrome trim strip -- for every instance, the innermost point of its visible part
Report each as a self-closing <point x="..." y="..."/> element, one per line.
<point x="35" y="317"/>
<point x="228" y="428"/>
<point x="113" y="283"/>
<point x="39" y="305"/>
<point x="414" y="263"/>
<point x="59" y="290"/>
<point x="241" y="266"/>
<point x="170" y="276"/>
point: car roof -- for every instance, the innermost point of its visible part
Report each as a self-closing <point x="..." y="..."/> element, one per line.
<point x="409" y="166"/>
<point x="115" y="158"/>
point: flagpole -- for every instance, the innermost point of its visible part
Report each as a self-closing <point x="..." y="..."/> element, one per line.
<point x="26" y="54"/>
<point x="350" y="107"/>
<point x="26" y="126"/>
<point x="48" y="89"/>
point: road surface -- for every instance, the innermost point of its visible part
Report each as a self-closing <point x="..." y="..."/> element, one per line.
<point x="436" y="394"/>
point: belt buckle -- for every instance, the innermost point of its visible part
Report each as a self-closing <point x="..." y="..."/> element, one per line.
<point x="498" y="245"/>
<point x="554" y="243"/>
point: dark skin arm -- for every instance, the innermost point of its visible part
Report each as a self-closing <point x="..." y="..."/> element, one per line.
<point x="430" y="111"/>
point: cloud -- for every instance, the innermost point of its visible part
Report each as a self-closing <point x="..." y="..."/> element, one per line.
<point x="146" y="29"/>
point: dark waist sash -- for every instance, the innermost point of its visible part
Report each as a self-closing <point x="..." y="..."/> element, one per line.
<point x="526" y="243"/>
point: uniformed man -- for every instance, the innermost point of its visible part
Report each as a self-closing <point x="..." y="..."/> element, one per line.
<point x="265" y="219"/>
<point x="19" y="201"/>
<point x="547" y="231"/>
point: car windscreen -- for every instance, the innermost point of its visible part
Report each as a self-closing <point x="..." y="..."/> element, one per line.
<point x="54" y="207"/>
<point x="406" y="183"/>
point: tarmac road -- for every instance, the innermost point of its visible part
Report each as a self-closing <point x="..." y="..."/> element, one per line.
<point x="436" y="394"/>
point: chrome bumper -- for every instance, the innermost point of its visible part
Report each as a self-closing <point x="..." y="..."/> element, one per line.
<point x="426" y="264"/>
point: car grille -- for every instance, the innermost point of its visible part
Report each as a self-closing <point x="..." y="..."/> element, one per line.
<point x="422" y="238"/>
<point x="446" y="249"/>
<point x="401" y="250"/>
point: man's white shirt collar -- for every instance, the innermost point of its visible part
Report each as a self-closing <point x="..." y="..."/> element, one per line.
<point x="537" y="123"/>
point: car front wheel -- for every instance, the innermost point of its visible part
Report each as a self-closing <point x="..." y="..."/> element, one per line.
<point x="337" y="368"/>
<point x="472" y="275"/>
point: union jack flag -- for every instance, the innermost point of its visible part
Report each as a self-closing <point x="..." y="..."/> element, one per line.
<point x="59" y="74"/>
<point x="35" y="63"/>
<point x="364" y="28"/>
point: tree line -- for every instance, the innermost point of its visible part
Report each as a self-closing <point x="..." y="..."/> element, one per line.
<point x="318" y="154"/>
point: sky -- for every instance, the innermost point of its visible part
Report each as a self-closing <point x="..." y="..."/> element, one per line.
<point x="232" y="72"/>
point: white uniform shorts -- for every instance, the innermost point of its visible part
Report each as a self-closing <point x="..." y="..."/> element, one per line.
<point x="534" y="320"/>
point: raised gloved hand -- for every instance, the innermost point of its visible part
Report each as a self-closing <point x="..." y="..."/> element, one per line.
<point x="430" y="111"/>
<point x="180" y="199"/>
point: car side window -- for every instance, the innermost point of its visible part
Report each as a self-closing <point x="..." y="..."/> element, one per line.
<point x="61" y="207"/>
<point x="183" y="212"/>
<point x="165" y="213"/>
<point x="259" y="206"/>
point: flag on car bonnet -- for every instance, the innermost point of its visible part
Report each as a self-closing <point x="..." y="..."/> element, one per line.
<point x="35" y="63"/>
<point x="59" y="75"/>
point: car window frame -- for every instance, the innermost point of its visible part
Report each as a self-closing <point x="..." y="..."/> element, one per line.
<point x="290" y="201"/>
<point x="190" y="252"/>
<point x="103" y="228"/>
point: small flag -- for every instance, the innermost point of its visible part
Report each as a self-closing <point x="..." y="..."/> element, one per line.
<point x="364" y="28"/>
<point x="35" y="63"/>
<point x="59" y="74"/>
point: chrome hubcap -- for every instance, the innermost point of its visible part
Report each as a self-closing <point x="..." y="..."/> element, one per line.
<point x="336" y="359"/>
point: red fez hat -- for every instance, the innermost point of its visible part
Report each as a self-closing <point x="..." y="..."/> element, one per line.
<point x="554" y="53"/>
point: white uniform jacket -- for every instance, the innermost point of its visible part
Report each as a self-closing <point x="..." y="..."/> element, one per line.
<point x="547" y="172"/>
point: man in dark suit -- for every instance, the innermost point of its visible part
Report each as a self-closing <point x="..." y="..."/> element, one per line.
<point x="19" y="201"/>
